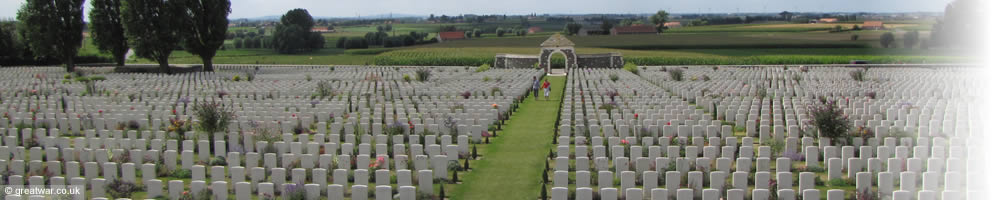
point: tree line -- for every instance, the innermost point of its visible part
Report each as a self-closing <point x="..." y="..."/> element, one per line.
<point x="153" y="29"/>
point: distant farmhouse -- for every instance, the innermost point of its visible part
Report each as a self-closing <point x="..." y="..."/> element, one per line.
<point x="634" y="29"/>
<point x="455" y="35"/>
<point x="828" y="20"/>
<point x="322" y="30"/>
<point x="590" y="30"/>
<point x="873" y="25"/>
<point x="672" y="25"/>
<point x="534" y="29"/>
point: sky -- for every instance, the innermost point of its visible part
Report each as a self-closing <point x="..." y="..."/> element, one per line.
<point x="352" y="8"/>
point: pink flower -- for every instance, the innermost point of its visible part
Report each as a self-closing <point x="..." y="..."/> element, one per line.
<point x="624" y="141"/>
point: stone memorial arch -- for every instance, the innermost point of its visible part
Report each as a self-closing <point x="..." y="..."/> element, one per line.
<point x="557" y="43"/>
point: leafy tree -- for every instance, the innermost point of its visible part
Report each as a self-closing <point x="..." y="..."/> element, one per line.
<point x="606" y="26"/>
<point x="207" y="22"/>
<point x="341" y="41"/>
<point x="238" y="43"/>
<point x="910" y="39"/>
<point x="961" y="25"/>
<point x="288" y="39"/>
<point x="572" y="28"/>
<point x="8" y="38"/>
<point x="154" y="28"/>
<point x="786" y="15"/>
<point x="294" y="34"/>
<point x="107" y="30"/>
<point x="500" y="32"/>
<point x="53" y="28"/>
<point x="659" y="18"/>
<point x="298" y="16"/>
<point x="356" y="43"/>
<point x="887" y="39"/>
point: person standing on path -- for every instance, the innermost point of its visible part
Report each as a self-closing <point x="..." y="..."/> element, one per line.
<point x="547" y="89"/>
<point x="534" y="86"/>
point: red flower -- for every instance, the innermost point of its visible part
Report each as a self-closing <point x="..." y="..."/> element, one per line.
<point x="100" y="111"/>
<point x="637" y="115"/>
<point x="625" y="141"/>
<point x="668" y="123"/>
<point x="174" y="111"/>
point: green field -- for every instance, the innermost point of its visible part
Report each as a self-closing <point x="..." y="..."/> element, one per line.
<point x="740" y="44"/>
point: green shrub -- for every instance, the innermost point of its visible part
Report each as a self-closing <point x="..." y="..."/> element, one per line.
<point x="213" y="118"/>
<point x="613" y="77"/>
<point x="121" y="189"/>
<point x="483" y="68"/>
<point x="323" y="89"/>
<point x="181" y="173"/>
<point x="831" y="121"/>
<point x="858" y="74"/>
<point x="406" y="77"/>
<point x="839" y="182"/>
<point x="631" y="67"/>
<point x="676" y="74"/>
<point x="423" y="74"/>
<point x="217" y="161"/>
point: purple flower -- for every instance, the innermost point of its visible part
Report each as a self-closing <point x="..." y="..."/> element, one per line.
<point x="184" y="100"/>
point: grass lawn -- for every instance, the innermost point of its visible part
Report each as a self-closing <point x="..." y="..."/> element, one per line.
<point x="513" y="167"/>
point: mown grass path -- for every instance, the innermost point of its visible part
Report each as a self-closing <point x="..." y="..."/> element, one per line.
<point x="512" y="165"/>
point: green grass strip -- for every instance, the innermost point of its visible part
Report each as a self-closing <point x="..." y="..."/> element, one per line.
<point x="513" y="163"/>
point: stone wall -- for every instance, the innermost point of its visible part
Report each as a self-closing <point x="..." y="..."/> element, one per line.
<point x="605" y="60"/>
<point x="515" y="61"/>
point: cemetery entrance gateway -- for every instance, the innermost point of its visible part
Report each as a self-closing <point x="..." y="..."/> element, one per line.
<point x="557" y="44"/>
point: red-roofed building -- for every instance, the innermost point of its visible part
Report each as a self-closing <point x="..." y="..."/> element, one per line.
<point x="828" y="20"/>
<point x="455" y="35"/>
<point x="321" y="30"/>
<point x="873" y="25"/>
<point x="671" y="25"/>
<point x="534" y="29"/>
<point x="634" y="29"/>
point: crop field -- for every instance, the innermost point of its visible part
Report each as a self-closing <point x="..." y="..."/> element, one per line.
<point x="770" y="43"/>
<point x="686" y="41"/>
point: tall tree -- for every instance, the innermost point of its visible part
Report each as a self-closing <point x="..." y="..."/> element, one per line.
<point x="206" y="23"/>
<point x="572" y="28"/>
<point x="53" y="28"/>
<point x="295" y="35"/>
<point x="659" y="18"/>
<point x="154" y="28"/>
<point x="787" y="16"/>
<point x="107" y="30"/>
